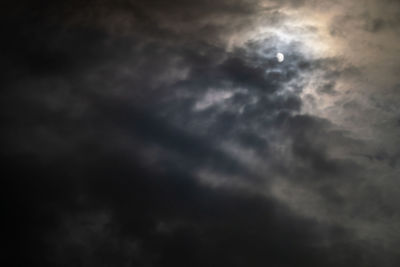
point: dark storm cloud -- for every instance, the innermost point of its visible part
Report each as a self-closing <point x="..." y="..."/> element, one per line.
<point x="167" y="217"/>
<point x="151" y="18"/>
<point x="106" y="130"/>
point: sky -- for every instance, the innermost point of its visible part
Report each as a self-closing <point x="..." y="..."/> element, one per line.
<point x="170" y="133"/>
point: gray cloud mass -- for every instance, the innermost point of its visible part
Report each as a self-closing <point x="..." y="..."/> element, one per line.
<point x="154" y="133"/>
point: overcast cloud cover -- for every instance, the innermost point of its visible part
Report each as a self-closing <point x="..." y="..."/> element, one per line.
<point x="166" y="133"/>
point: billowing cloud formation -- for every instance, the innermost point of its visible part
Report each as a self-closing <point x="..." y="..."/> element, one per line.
<point x="146" y="133"/>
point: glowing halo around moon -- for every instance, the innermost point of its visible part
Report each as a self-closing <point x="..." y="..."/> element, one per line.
<point x="280" y="57"/>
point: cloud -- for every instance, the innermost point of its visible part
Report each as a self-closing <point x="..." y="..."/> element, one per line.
<point x="105" y="210"/>
<point x="134" y="134"/>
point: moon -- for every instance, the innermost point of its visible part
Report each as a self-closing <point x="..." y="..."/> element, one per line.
<point x="280" y="57"/>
